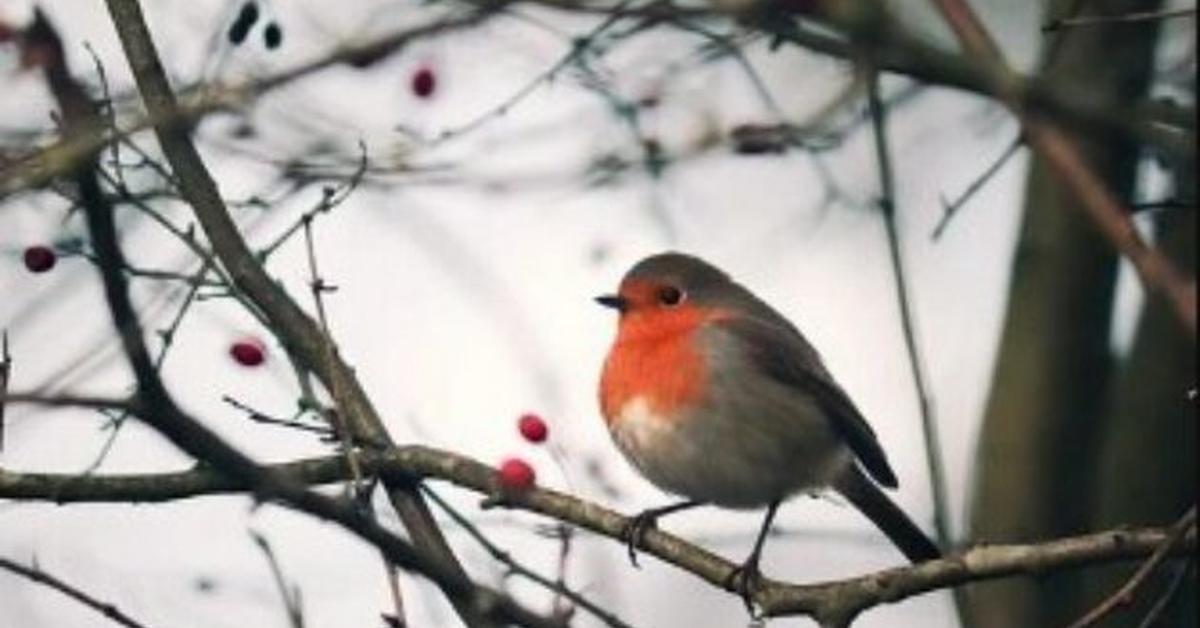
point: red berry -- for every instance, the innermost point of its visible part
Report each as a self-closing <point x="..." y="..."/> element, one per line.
<point x="533" y="428"/>
<point x="39" y="259"/>
<point x="516" y="475"/>
<point x="248" y="352"/>
<point x="424" y="82"/>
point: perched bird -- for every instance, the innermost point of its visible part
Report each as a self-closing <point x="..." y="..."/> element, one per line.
<point x="714" y="396"/>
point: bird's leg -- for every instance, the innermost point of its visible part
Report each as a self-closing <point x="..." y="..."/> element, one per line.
<point x="646" y="519"/>
<point x="744" y="580"/>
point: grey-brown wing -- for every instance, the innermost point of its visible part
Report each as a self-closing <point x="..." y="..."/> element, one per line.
<point x="780" y="351"/>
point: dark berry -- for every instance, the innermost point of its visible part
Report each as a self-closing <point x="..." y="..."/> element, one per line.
<point x="39" y="259"/>
<point x="248" y="352"/>
<point x="249" y="13"/>
<point x="424" y="82"/>
<point x="533" y="428"/>
<point x="244" y="22"/>
<point x="272" y="36"/>
<point x="516" y="475"/>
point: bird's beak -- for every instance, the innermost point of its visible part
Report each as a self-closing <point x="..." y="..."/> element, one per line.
<point x="614" y="301"/>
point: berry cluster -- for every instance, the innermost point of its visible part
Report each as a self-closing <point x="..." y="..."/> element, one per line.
<point x="515" y="474"/>
<point x="246" y="18"/>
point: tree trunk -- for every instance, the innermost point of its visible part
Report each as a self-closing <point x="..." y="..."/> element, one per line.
<point x="1146" y="468"/>
<point x="1038" y="444"/>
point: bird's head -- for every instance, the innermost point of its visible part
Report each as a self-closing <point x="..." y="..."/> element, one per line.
<point x="668" y="292"/>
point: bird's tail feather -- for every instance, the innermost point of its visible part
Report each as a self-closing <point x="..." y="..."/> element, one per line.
<point x="886" y="515"/>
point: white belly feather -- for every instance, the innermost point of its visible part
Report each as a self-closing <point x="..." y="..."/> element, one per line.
<point x="733" y="462"/>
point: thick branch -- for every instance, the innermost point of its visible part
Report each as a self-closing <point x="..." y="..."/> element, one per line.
<point x="299" y="332"/>
<point x="154" y="404"/>
<point x="829" y="602"/>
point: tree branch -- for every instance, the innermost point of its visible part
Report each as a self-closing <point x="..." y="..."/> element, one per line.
<point x="1167" y="128"/>
<point x="1127" y="18"/>
<point x="41" y="577"/>
<point x="1157" y="272"/>
<point x="908" y="328"/>
<point x="823" y="601"/>
<point x="298" y="331"/>
<point x="1124" y="594"/>
<point x="5" y="374"/>
<point x="56" y="160"/>
<point x="154" y="405"/>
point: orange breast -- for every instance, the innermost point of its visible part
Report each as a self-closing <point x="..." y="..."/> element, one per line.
<point x="654" y="357"/>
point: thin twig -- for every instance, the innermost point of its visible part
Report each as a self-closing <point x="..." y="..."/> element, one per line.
<point x="331" y="197"/>
<point x="36" y="574"/>
<point x="1127" y="18"/>
<point x="950" y="208"/>
<point x="5" y="373"/>
<point x="58" y="159"/>
<point x="579" y="46"/>
<point x="336" y="417"/>
<point x="298" y="331"/>
<point x="292" y="423"/>
<point x="153" y="401"/>
<point x="1124" y="594"/>
<point x="1106" y="211"/>
<point x="557" y="586"/>
<point x="929" y="426"/>
<point x="290" y="593"/>
<point x="1164" y="600"/>
<point x="355" y="486"/>
<point x="397" y="619"/>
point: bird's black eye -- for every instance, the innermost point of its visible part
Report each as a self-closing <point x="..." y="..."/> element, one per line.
<point x="670" y="296"/>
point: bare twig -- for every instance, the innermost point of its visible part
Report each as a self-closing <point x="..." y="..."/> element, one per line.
<point x="287" y="319"/>
<point x="331" y="197"/>
<point x="1127" y="18"/>
<point x="68" y="400"/>
<point x="355" y="487"/>
<point x="58" y="159"/>
<point x="1106" y="211"/>
<point x="336" y="416"/>
<point x="292" y="423"/>
<point x="579" y="46"/>
<point x="5" y="374"/>
<point x="1164" y="600"/>
<point x="557" y="586"/>
<point x="36" y="574"/>
<point x="841" y="598"/>
<point x="950" y="208"/>
<point x="929" y="427"/>
<point x="290" y="593"/>
<point x="933" y="448"/>
<point x="1123" y="595"/>
<point x="155" y="405"/>
<point x="393" y="580"/>
<point x="1166" y="203"/>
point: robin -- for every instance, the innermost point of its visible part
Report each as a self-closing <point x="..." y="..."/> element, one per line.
<point x="714" y="396"/>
